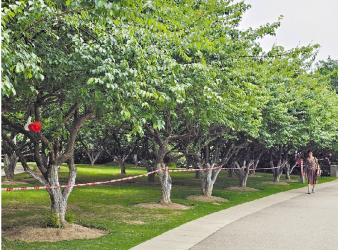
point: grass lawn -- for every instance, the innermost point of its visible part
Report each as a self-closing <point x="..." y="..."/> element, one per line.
<point x="110" y="206"/>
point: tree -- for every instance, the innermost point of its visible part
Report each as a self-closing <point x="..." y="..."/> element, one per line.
<point x="91" y="139"/>
<point x="329" y="68"/>
<point x="119" y="143"/>
<point x="83" y="70"/>
<point x="246" y="159"/>
<point x="10" y="156"/>
<point x="207" y="85"/>
<point x="290" y="119"/>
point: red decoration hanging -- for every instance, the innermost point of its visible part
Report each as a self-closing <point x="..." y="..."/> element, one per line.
<point x="36" y="126"/>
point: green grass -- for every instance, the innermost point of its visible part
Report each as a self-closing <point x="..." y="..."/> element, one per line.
<point x="110" y="206"/>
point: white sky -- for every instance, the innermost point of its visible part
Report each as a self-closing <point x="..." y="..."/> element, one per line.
<point x="305" y="22"/>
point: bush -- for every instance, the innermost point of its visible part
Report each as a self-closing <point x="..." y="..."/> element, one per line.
<point x="51" y="219"/>
<point x="70" y="218"/>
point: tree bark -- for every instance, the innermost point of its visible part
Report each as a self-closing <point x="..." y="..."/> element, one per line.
<point x="93" y="156"/>
<point x="197" y="174"/>
<point x="59" y="198"/>
<point x="208" y="179"/>
<point x="135" y="160"/>
<point x="192" y="163"/>
<point x="255" y="165"/>
<point x="230" y="171"/>
<point x="165" y="180"/>
<point x="276" y="176"/>
<point x="121" y="162"/>
<point x="242" y="173"/>
<point x="242" y="181"/>
<point x="287" y="171"/>
<point x="9" y="166"/>
<point x="58" y="203"/>
<point x="189" y="162"/>
<point x="277" y="172"/>
<point x="282" y="160"/>
<point x="151" y="177"/>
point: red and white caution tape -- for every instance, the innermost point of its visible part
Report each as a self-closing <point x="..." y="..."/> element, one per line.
<point x="122" y="179"/>
<point x="202" y="169"/>
<point x="79" y="185"/>
<point x="192" y="169"/>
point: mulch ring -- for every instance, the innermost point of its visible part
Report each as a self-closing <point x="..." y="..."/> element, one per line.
<point x="40" y="233"/>
<point x="242" y="189"/>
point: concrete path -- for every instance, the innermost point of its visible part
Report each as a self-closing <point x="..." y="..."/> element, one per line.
<point x="288" y="220"/>
<point x="18" y="170"/>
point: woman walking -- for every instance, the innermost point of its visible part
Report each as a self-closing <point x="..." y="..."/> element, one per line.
<point x="311" y="167"/>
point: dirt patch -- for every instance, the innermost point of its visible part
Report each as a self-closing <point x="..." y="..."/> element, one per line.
<point x="253" y="175"/>
<point x="39" y="233"/>
<point x="242" y="189"/>
<point x="155" y="205"/>
<point x="206" y="198"/>
<point x="275" y="183"/>
<point x="134" y="222"/>
<point x="291" y="180"/>
<point x="13" y="183"/>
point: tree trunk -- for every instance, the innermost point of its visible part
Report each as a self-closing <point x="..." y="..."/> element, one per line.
<point x="135" y="160"/>
<point x="151" y="177"/>
<point x="93" y="157"/>
<point x="58" y="206"/>
<point x="165" y="180"/>
<point x="208" y="180"/>
<point x="276" y="177"/>
<point x="242" y="181"/>
<point x="9" y="166"/>
<point x="255" y="165"/>
<point x="58" y="203"/>
<point x="190" y="162"/>
<point x="242" y="173"/>
<point x="207" y="184"/>
<point x="197" y="174"/>
<point x="253" y="170"/>
<point x="59" y="198"/>
<point x="276" y="174"/>
<point x="121" y="163"/>
<point x="123" y="168"/>
<point x="302" y="177"/>
<point x="287" y="171"/>
<point x="230" y="171"/>
<point x="293" y="167"/>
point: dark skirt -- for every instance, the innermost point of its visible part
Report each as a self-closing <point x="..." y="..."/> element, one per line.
<point x="311" y="176"/>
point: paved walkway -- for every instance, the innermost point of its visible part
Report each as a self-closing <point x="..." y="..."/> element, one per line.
<point x="18" y="170"/>
<point x="288" y="220"/>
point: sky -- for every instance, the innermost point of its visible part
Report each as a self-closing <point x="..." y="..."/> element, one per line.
<point x="305" y="22"/>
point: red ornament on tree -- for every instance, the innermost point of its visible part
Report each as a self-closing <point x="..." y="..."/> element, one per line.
<point x="36" y="126"/>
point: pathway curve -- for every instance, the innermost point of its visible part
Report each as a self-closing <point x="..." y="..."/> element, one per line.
<point x="288" y="220"/>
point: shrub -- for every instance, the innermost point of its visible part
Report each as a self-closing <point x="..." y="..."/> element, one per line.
<point x="51" y="219"/>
